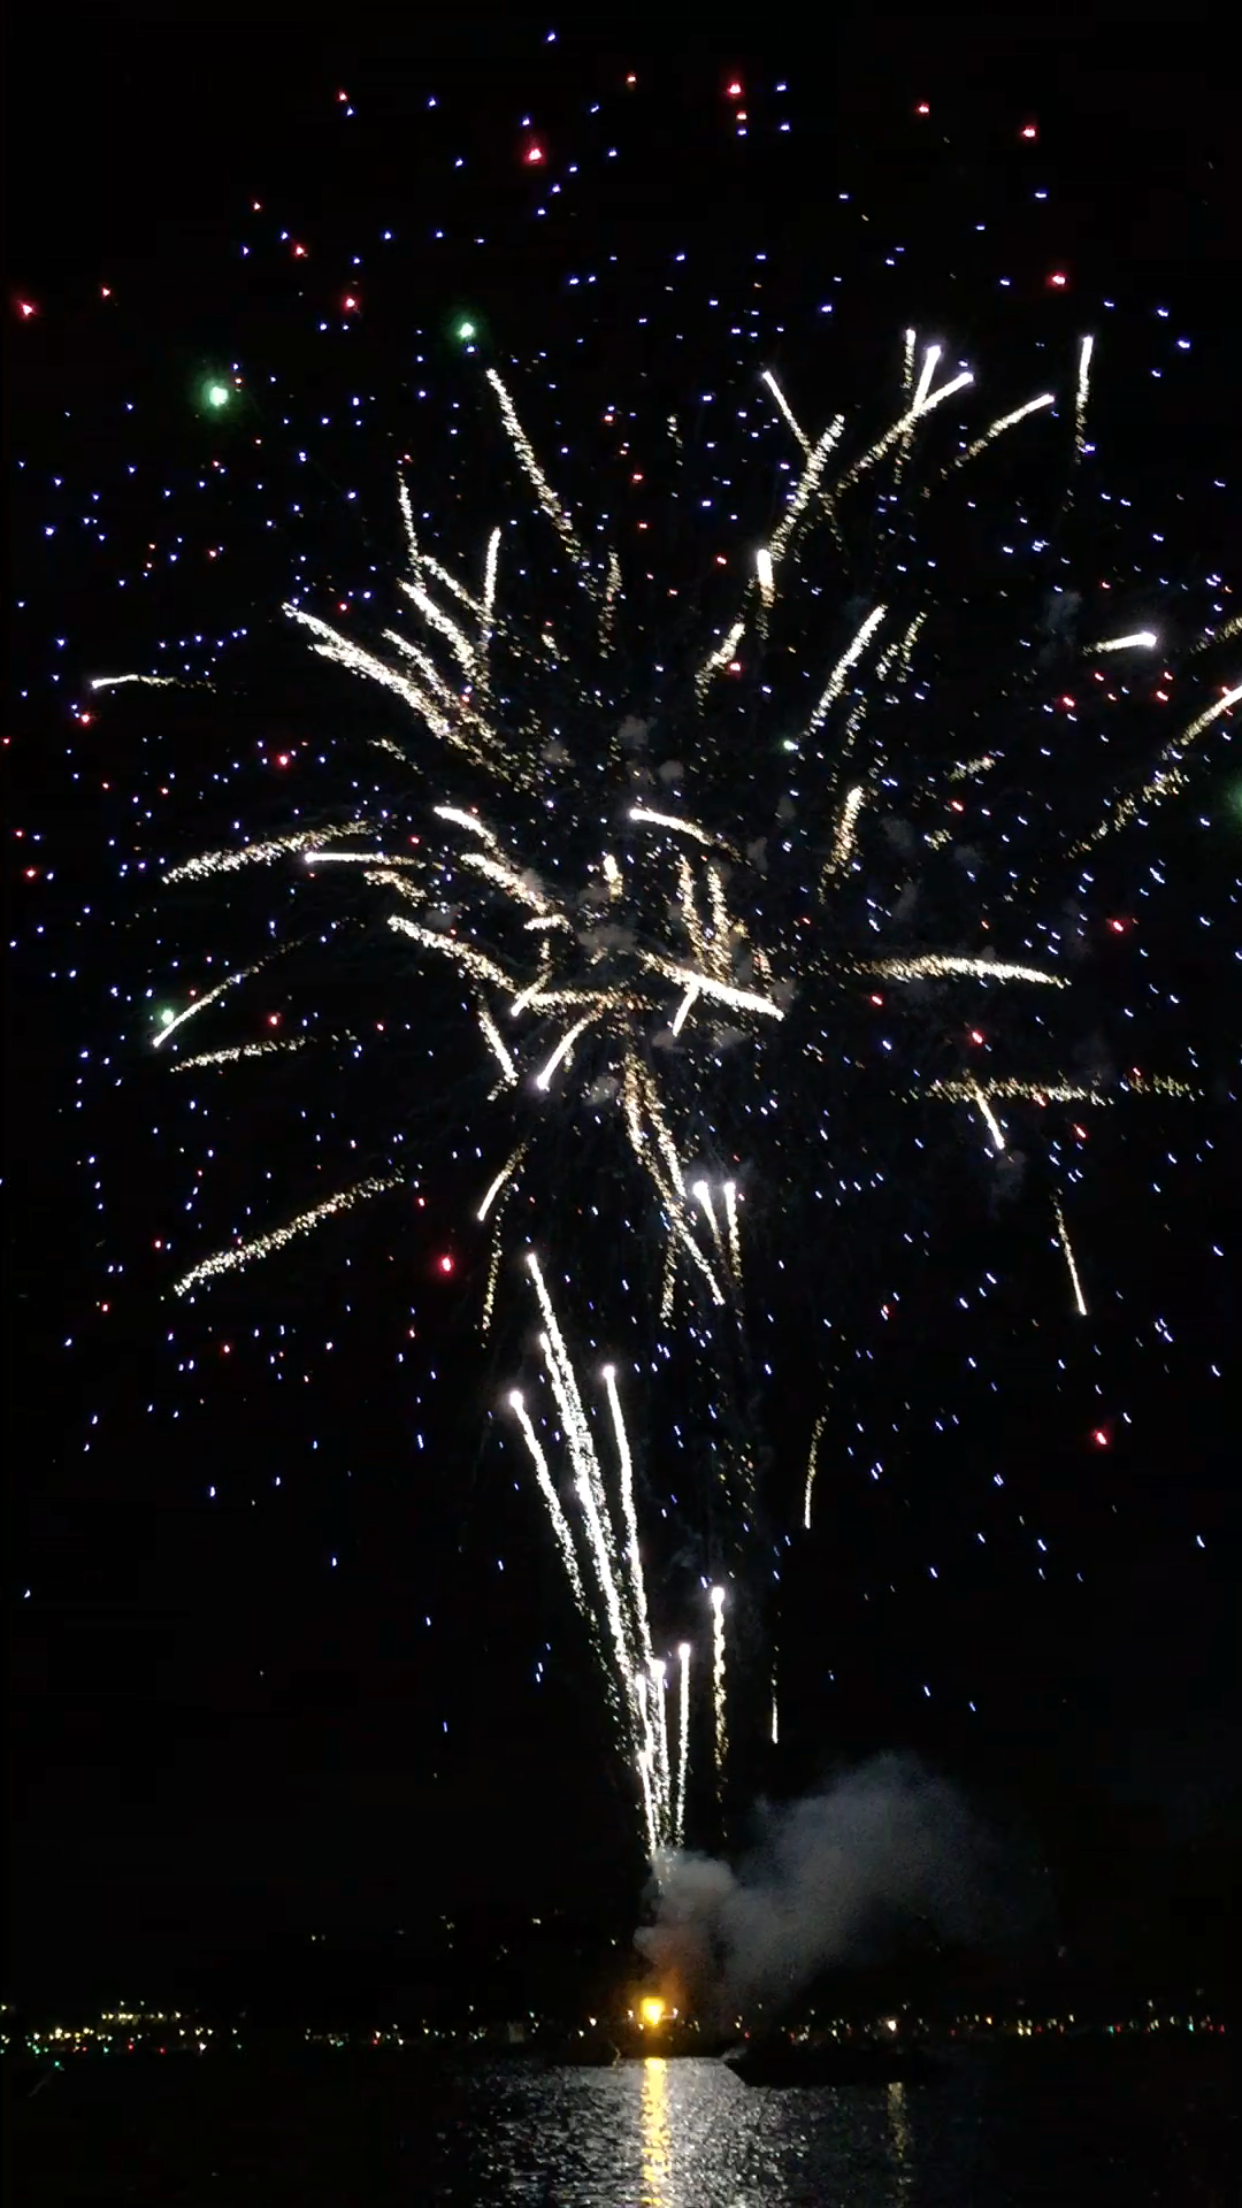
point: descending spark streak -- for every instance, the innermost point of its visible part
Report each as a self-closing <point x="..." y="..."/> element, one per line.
<point x="808" y="484"/>
<point x="785" y="408"/>
<point x="633" y="1557"/>
<point x="703" y="1196"/>
<point x="931" y="358"/>
<point x="612" y="595"/>
<point x="560" y="1523"/>
<point x="1146" y="639"/>
<point x="469" y="821"/>
<point x="683" y="1741"/>
<point x="436" y="618"/>
<point x="1063" y="1233"/>
<point x="719" y="1707"/>
<point x="227" y="1261"/>
<point x="489" y="585"/>
<point x="230" y="1056"/>
<point x="659" y="1675"/>
<point x="518" y="885"/>
<point x="316" y="857"/>
<point x="340" y="649"/>
<point x="200" y="1004"/>
<point x="507" y="1170"/>
<point x="465" y="954"/>
<point x="148" y="682"/>
<point x="938" y="965"/>
<point x="720" y="657"/>
<point x="744" y="999"/>
<point x="1034" y="1092"/>
<point x="1085" y="350"/>
<point x="735" y="1240"/>
<point x="679" y="1017"/>
<point x="989" y="1117"/>
<point x="647" y="818"/>
<point x="812" y="1467"/>
<point x="497" y="1045"/>
<point x="1005" y="421"/>
<point x="849" y="658"/>
<point x="493" y="1275"/>
<point x="262" y="854"/>
<point x="563" y="1048"/>
<point x="582" y="1449"/>
<point x="407" y="516"/>
<point x="542" y="488"/>
<point x="1168" y="779"/>
<point x="764" y="575"/>
<point x="843" y="839"/>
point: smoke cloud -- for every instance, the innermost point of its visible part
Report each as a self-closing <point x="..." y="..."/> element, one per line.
<point x="832" y="1879"/>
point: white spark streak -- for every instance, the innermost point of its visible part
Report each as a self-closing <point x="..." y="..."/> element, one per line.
<point x="563" y="1048"/>
<point x="542" y="488"/>
<point x="691" y="828"/>
<point x="1080" y="1302"/>
<point x="1144" y="639"/>
<point x="469" y="821"/>
<point x="849" y="658"/>
<point x="785" y="408"/>
<point x="719" y="1705"/>
<point x="812" y="1467"/>
<point x="683" y="1740"/>
<point x="560" y="1523"/>
<point x="263" y="854"/>
<point x="505" y="1174"/>
<point x="244" y="1253"/>
<point x="990" y="1119"/>
<point x="939" y="965"/>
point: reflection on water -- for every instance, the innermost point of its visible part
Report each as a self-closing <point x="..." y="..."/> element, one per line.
<point x="900" y="2139"/>
<point x="688" y="2134"/>
<point x="993" y="2133"/>
<point x="656" y="2192"/>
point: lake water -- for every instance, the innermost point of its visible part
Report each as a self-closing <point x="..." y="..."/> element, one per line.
<point x="688" y="2135"/>
<point x="1113" y="2127"/>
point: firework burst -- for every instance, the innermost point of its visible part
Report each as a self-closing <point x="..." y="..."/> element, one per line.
<point x="676" y="870"/>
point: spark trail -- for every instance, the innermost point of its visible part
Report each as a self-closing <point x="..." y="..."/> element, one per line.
<point x="689" y="893"/>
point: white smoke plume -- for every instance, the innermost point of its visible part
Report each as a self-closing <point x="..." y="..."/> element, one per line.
<point x="831" y="1879"/>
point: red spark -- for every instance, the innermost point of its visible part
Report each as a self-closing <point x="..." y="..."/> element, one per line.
<point x="26" y="307"/>
<point x="977" y="1037"/>
<point x="349" y="304"/>
<point x="1058" y="279"/>
<point x="733" y="91"/>
<point x="1028" y="131"/>
<point x="1100" y="1437"/>
<point x="922" y="108"/>
<point x="445" y="1263"/>
<point x="533" y="156"/>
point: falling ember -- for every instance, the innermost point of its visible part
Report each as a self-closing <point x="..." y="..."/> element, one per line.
<point x="1080" y="1304"/>
<point x="719" y="1706"/>
<point x="683" y="1742"/>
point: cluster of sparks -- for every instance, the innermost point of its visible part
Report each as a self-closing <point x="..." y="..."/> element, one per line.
<point x="614" y="942"/>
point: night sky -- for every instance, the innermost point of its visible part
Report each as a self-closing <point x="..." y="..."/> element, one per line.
<point x="288" y="1646"/>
